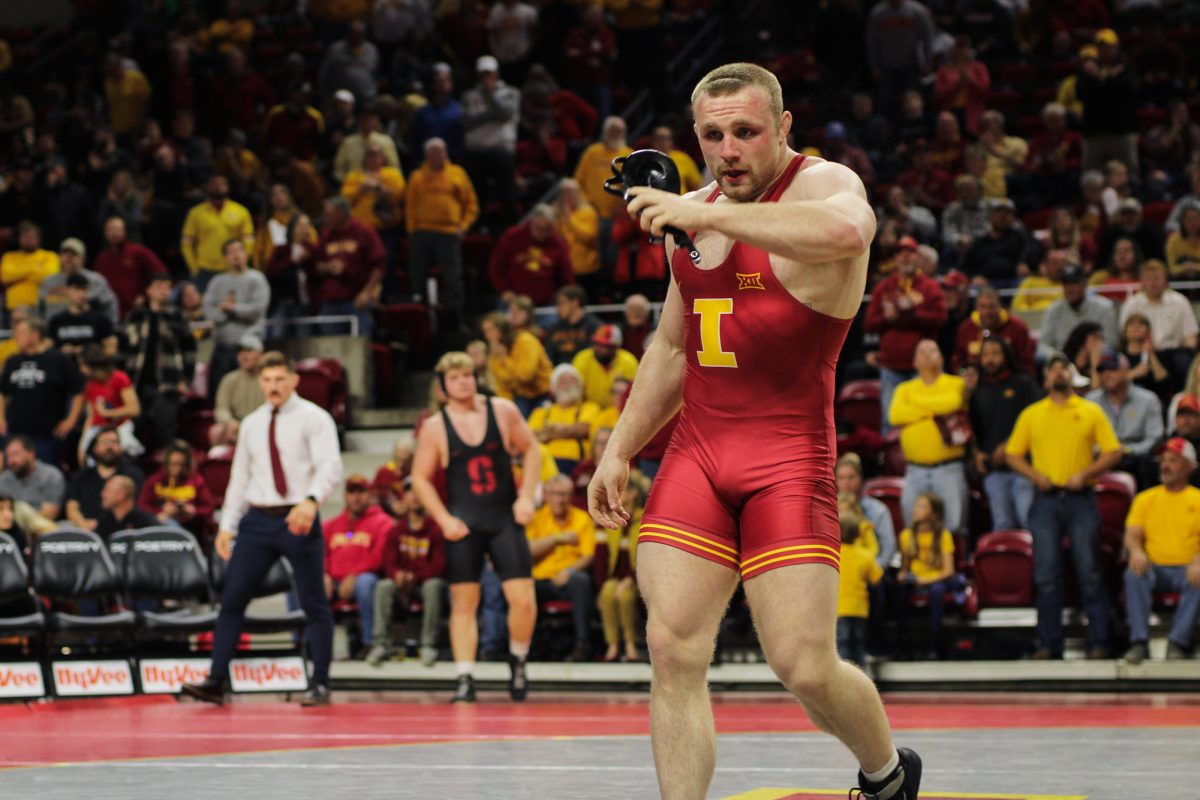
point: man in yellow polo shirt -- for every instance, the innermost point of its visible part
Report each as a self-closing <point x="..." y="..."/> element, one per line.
<point x="603" y="363"/>
<point x="22" y="270"/>
<point x="562" y="541"/>
<point x="209" y="226"/>
<point x="1162" y="535"/>
<point x="1060" y="434"/>
<point x="917" y="409"/>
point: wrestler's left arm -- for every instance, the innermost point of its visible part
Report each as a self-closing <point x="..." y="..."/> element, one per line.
<point x="838" y="224"/>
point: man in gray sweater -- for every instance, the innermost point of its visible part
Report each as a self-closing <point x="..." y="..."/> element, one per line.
<point x="236" y="303"/>
<point x="1136" y="416"/>
<point x="490" y="112"/>
<point x="1076" y="306"/>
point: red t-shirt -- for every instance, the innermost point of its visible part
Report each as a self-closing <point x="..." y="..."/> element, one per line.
<point x="110" y="391"/>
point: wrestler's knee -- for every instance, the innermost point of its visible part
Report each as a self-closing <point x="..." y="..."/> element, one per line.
<point x="675" y="653"/>
<point x="806" y="670"/>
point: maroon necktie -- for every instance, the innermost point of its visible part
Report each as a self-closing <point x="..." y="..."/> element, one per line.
<point x="276" y="462"/>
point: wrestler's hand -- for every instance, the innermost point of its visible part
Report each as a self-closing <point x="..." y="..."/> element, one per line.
<point x="455" y="529"/>
<point x="654" y="209"/>
<point x="604" y="493"/>
<point x="523" y="511"/>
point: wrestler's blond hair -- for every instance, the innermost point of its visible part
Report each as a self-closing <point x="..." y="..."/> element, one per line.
<point x="454" y="360"/>
<point x="733" y="78"/>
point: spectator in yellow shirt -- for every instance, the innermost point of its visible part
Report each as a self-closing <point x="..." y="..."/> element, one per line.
<point x="565" y="426"/>
<point x="519" y="365"/>
<point x="579" y="225"/>
<point x="128" y="94"/>
<point x="858" y="572"/>
<point x="376" y="195"/>
<point x="440" y="206"/>
<point x="663" y="140"/>
<point x="1039" y="292"/>
<point x="23" y="270"/>
<point x="1183" y="246"/>
<point x="923" y="408"/>
<point x="1162" y="535"/>
<point x="1062" y="434"/>
<point x="595" y="165"/>
<point x="209" y="226"/>
<point x="618" y="599"/>
<point x="607" y="417"/>
<point x="603" y="363"/>
<point x="927" y="564"/>
<point x="562" y="541"/>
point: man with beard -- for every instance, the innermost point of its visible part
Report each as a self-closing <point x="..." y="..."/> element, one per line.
<point x="566" y="425"/>
<point x="999" y="393"/>
<point x="1060" y="433"/>
<point x="209" y="226"/>
<point x="991" y="321"/>
<point x="574" y="327"/>
<point x="84" y="492"/>
<point x="1187" y="426"/>
<point x="29" y="480"/>
<point x="603" y="363"/>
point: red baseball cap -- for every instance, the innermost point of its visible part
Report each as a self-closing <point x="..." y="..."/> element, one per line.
<point x="1189" y="402"/>
<point x="955" y="280"/>
<point x="907" y="243"/>
<point x="1181" y="447"/>
<point x="608" y="335"/>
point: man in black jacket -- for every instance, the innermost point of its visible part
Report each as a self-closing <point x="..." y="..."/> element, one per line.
<point x="1004" y="255"/>
<point x="1108" y="89"/>
<point x="160" y="357"/>
<point x="1001" y="393"/>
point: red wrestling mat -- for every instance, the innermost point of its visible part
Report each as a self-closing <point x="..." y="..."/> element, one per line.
<point x="156" y="727"/>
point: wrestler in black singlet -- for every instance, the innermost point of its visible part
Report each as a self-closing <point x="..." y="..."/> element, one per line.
<point x="481" y="490"/>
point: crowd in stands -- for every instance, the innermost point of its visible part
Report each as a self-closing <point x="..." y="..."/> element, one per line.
<point x="222" y="172"/>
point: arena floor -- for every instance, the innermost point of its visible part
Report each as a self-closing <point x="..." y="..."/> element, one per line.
<point x="410" y="745"/>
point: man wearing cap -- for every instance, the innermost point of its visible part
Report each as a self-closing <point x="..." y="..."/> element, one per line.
<point x="956" y="291"/>
<point x="1077" y="305"/>
<point x="79" y="325"/>
<point x="1003" y="255"/>
<point x="238" y="393"/>
<point x="22" y="270"/>
<point x="1134" y="413"/>
<point x="531" y="259"/>
<point x="1108" y="89"/>
<point x="160" y="357"/>
<point x="602" y="363"/>
<point x="1053" y="446"/>
<point x="1129" y="223"/>
<point x="1039" y="292"/>
<point x="905" y="307"/>
<point x="490" y="112"/>
<point x="1162" y="535"/>
<point x="990" y="320"/>
<point x="356" y="552"/>
<point x="1173" y="323"/>
<point x="52" y="296"/>
<point x="126" y="266"/>
<point x="1185" y="424"/>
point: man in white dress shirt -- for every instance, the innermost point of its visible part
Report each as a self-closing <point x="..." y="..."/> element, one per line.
<point x="286" y="464"/>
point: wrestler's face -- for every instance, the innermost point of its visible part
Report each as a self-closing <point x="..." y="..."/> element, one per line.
<point x="744" y="144"/>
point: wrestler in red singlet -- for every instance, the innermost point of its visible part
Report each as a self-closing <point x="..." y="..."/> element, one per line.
<point x="748" y="479"/>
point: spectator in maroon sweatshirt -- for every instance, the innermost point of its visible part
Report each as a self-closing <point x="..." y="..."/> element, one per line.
<point x="244" y="97"/>
<point x="531" y="259"/>
<point x="356" y="551"/>
<point x="416" y="562"/>
<point x="294" y="126"/>
<point x="1054" y="158"/>
<point x="990" y="320"/>
<point x="905" y="308"/>
<point x="126" y="266"/>
<point x="347" y="272"/>
<point x="639" y="323"/>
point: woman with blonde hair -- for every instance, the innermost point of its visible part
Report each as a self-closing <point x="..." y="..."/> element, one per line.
<point x="518" y="362"/>
<point x="1146" y="368"/>
<point x="618" y="599"/>
<point x="1062" y="233"/>
<point x="579" y="224"/>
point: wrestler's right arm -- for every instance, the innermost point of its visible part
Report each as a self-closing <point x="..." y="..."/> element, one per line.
<point x="656" y="396"/>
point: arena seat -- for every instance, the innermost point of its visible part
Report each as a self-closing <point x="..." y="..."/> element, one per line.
<point x="1114" y="496"/>
<point x="215" y="472"/>
<point x="14" y="587"/>
<point x="323" y="381"/>
<point x="1156" y="213"/>
<point x="405" y="324"/>
<point x="858" y="404"/>
<point x="195" y="421"/>
<point x="1004" y="569"/>
<point x="278" y="580"/>
<point x="71" y="564"/>
<point x="887" y="489"/>
<point x="164" y="563"/>
<point x="118" y="551"/>
<point x="1018" y="75"/>
<point x="894" y="463"/>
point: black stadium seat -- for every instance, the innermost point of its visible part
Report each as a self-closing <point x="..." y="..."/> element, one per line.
<point x="277" y="581"/>
<point x="14" y="593"/>
<point x="165" y="563"/>
<point x="75" y="565"/>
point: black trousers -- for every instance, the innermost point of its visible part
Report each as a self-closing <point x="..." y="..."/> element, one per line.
<point x="262" y="539"/>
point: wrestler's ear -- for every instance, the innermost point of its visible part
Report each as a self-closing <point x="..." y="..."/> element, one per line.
<point x="785" y="125"/>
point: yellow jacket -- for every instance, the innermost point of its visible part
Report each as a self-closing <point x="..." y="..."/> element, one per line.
<point x="1179" y="252"/>
<point x="365" y="203"/>
<point x="627" y="535"/>
<point x="562" y="556"/>
<point x="595" y="165"/>
<point x="524" y="371"/>
<point x="554" y="414"/>
<point x="442" y="202"/>
<point x="128" y="101"/>
<point x="206" y="230"/>
<point x="581" y="230"/>
<point x="22" y="275"/>
<point x="689" y="174"/>
<point x="1033" y="294"/>
<point x="914" y="405"/>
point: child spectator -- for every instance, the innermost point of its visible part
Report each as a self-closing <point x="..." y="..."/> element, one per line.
<point x="927" y="563"/>
<point x="858" y="572"/>
<point x="112" y="400"/>
<point x="177" y="494"/>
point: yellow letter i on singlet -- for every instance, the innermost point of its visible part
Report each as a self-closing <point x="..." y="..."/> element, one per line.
<point x="711" y="310"/>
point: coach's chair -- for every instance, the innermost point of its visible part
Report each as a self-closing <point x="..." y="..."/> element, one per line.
<point x="15" y="595"/>
<point x="165" y="563"/>
<point x="75" y="565"/>
<point x="277" y="581"/>
<point x="118" y="551"/>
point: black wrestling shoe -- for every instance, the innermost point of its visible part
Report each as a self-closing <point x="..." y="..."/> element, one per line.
<point x="208" y="691"/>
<point x="518" y="682"/>
<point x="902" y="784"/>
<point x="464" y="692"/>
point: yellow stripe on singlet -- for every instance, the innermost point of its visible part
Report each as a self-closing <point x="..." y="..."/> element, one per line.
<point x="652" y="535"/>
<point x="792" y="548"/>
<point x="689" y="534"/>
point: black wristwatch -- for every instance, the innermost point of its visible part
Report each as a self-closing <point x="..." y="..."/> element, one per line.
<point x="314" y="501"/>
